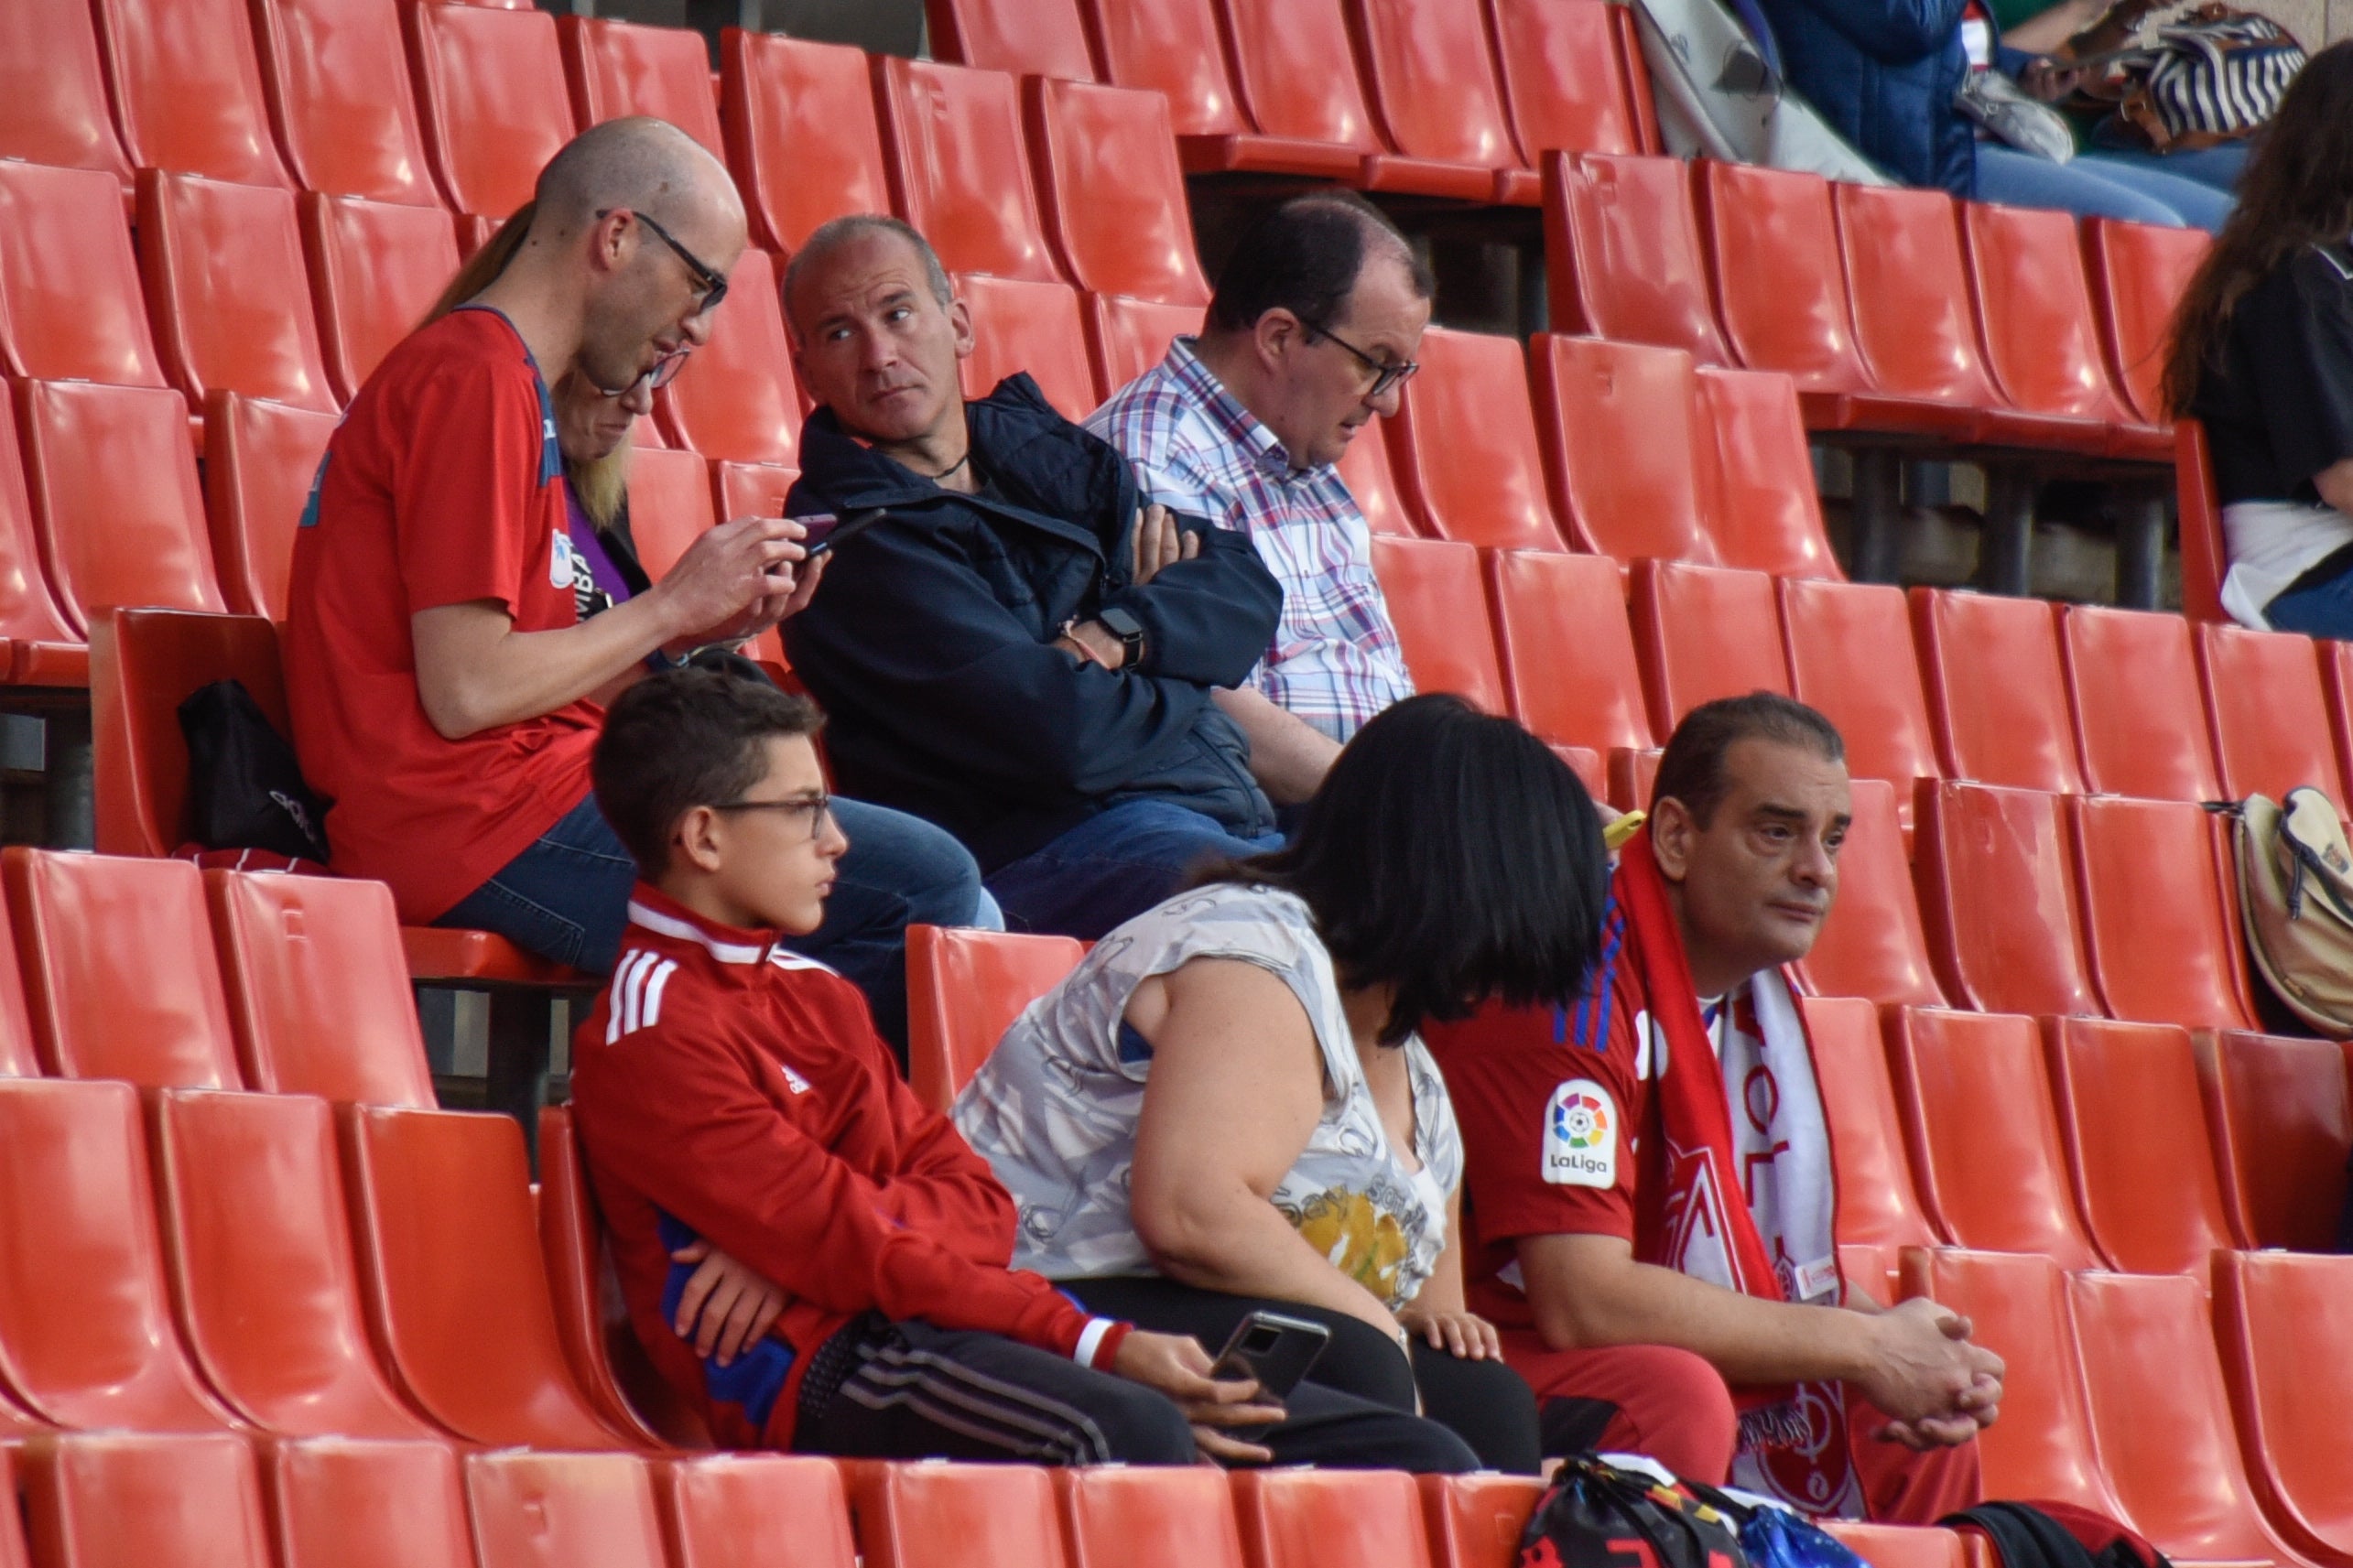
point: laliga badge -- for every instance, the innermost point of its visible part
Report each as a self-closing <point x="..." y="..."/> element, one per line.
<point x="559" y="560"/>
<point x="1581" y="1136"/>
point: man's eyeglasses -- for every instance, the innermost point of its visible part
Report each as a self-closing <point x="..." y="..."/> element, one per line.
<point x="712" y="282"/>
<point x="818" y="807"/>
<point x="1384" y="375"/>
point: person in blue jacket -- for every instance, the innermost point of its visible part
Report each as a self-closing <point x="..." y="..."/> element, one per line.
<point x="1021" y="651"/>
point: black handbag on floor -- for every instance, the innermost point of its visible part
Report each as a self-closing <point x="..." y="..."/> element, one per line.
<point x="1597" y="1515"/>
<point x="244" y="787"/>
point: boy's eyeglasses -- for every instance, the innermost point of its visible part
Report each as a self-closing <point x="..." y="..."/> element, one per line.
<point x="1384" y="375"/>
<point x="819" y="809"/>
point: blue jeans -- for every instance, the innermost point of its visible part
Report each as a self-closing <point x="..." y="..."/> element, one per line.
<point x="2324" y="609"/>
<point x="2136" y="188"/>
<point x="2219" y="165"/>
<point x="567" y="898"/>
<point x="1112" y="867"/>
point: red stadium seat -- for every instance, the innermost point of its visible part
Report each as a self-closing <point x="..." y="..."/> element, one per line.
<point x="315" y="982"/>
<point x="964" y="990"/>
<point x="1371" y="480"/>
<point x="1623" y="253"/>
<point x="1022" y="325"/>
<point x="2041" y="1447"/>
<point x="2026" y="276"/>
<point x="1907" y="284"/>
<point x="2337" y="683"/>
<point x="1306" y="1516"/>
<point x="1127" y="336"/>
<point x="734" y="396"/>
<point x="269" y="1291"/>
<point x="261" y="460"/>
<point x="188" y="89"/>
<point x="2282" y="1120"/>
<point x="2133" y="680"/>
<point x="1440" y="613"/>
<point x="1996" y="689"/>
<point x="86" y="1336"/>
<point x="620" y="68"/>
<point x="1475" y="1520"/>
<point x="669" y="506"/>
<point x="2139" y="272"/>
<point x="959" y="169"/>
<point x="1760" y="503"/>
<point x="731" y="1509"/>
<point x="2159" y="912"/>
<point x="222" y="263"/>
<point x="1568" y="650"/>
<point x="1998" y="900"/>
<point x="147" y="663"/>
<point x="1900" y="1545"/>
<point x="1295" y="77"/>
<point x="1430" y="77"/>
<point x="2161" y="1418"/>
<point x="41" y="648"/>
<point x="2269" y="716"/>
<point x="1877" y="1204"/>
<point x="2134" y="1123"/>
<point x="96" y="1501"/>
<point x="1985" y="1138"/>
<point x="582" y="1510"/>
<point x="2205" y="557"/>
<point x="2286" y="1333"/>
<point x="53" y="106"/>
<point x="1116" y="1516"/>
<point x="1111" y="190"/>
<point x="801" y="132"/>
<point x="1850" y="655"/>
<point x="459" y="1297"/>
<point x="490" y="83"/>
<point x="1704" y="632"/>
<point x="358" y="1504"/>
<point x="1465" y="444"/>
<point x="1026" y="38"/>
<point x="376" y="269"/>
<point x="71" y="306"/>
<point x="120" y="976"/>
<point x="750" y="490"/>
<point x="980" y="1516"/>
<point x="114" y="488"/>
<point x="1564" y="73"/>
<point x="1872" y="943"/>
<point x="1625" y="445"/>
<point x="1172" y="48"/>
<point x="337" y="78"/>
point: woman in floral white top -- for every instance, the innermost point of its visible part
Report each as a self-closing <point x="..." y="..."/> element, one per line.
<point x="1226" y="1107"/>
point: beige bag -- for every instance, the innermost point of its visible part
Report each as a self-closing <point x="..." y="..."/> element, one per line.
<point x="2295" y="894"/>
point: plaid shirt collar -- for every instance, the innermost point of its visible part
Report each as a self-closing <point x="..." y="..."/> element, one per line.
<point x="1247" y="434"/>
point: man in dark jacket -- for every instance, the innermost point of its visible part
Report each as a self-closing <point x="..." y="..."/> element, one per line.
<point x="1020" y="651"/>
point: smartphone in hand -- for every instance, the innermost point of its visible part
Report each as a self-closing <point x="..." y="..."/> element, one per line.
<point x="826" y="532"/>
<point x="1276" y="1351"/>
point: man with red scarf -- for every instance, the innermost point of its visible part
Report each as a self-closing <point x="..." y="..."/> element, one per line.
<point x="1650" y="1200"/>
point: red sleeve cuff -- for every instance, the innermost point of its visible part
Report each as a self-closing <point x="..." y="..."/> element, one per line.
<point x="1099" y="1345"/>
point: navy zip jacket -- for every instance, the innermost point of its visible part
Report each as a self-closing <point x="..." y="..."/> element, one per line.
<point x="931" y="642"/>
<point x="1884" y="72"/>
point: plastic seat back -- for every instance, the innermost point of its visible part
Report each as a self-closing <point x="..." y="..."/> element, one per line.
<point x="2132" y="678"/>
<point x="1850" y="655"/>
<point x="491" y="84"/>
<point x="1873" y="944"/>
<point x="1877" y="1204"/>
<point x="1027" y="38"/>
<point x="1773" y="250"/>
<point x="1294" y="70"/>
<point x="1172" y="48"/>
<point x="1704" y="632"/>
<point x="1985" y="1139"/>
<point x="376" y="269"/>
<point x="53" y="106"/>
<point x="2267" y="712"/>
<point x="1568" y="651"/>
<point x="316" y="979"/>
<point x="2161" y="1418"/>
<point x="1430" y="77"/>
<point x="1440" y="612"/>
<point x="750" y="489"/>
<point x="964" y="990"/>
<point x="114" y="492"/>
<point x="2139" y="272"/>
<point x="564" y="1511"/>
<point x="2283" y="1323"/>
<point x="29" y="616"/>
<point x="1996" y="690"/>
<point x="355" y="1503"/>
<point x="2041" y="1447"/>
<point x="260" y="461"/>
<point x="731" y="1509"/>
<point x="1563" y="76"/>
<point x="2282" y="1124"/>
<point x="1998" y="900"/>
<point x="98" y="1501"/>
<point x="2205" y="554"/>
<point x="120" y="976"/>
<point x="959" y="169"/>
<point x="261" y="1249"/>
<point x="1475" y="1520"/>
<point x="669" y="506"/>
<point x="459" y="1300"/>
<point x="1128" y="337"/>
<point x="188" y="89"/>
<point x="86" y="1336"/>
<point x="1760" y="505"/>
<point x="1022" y="325"/>
<point x="1623" y="446"/>
<point x="1371" y="480"/>
<point x="801" y="132"/>
<point x="1295" y="1519"/>
<point x="1907" y="284"/>
<point x="734" y="396"/>
<point x="1148" y="1517"/>
<point x="2159" y="912"/>
<point x="71" y="305"/>
<point x="1465" y="444"/>
<point x="2026" y="275"/>
<point x="1900" y="1545"/>
<point x="145" y="664"/>
<point x="222" y="263"/>
<point x="1111" y="191"/>
<point x="932" y="1516"/>
<point x="2129" y="1106"/>
<point x="337" y="79"/>
<point x="1622" y="253"/>
<point x="621" y="67"/>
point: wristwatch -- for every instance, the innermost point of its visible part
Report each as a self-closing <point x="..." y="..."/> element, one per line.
<point x="1129" y="631"/>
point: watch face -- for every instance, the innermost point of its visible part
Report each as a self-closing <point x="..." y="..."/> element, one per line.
<point x="1121" y="624"/>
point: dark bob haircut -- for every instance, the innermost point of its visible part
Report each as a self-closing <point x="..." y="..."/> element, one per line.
<point x="1692" y="770"/>
<point x="683" y="739"/>
<point x="1305" y="257"/>
<point x="1451" y="855"/>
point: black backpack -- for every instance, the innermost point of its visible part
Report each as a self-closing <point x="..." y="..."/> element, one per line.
<point x="1597" y="1515"/>
<point x="245" y="788"/>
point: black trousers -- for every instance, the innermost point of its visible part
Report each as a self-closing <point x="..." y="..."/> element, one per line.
<point x="908" y="1391"/>
<point x="1485" y="1404"/>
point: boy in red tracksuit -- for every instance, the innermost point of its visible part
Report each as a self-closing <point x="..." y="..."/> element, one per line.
<point x="743" y="1123"/>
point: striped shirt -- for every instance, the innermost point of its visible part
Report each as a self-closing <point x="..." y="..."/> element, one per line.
<point x="1335" y="661"/>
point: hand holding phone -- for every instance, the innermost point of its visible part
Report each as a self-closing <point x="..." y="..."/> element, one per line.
<point x="1273" y="1350"/>
<point x="825" y="533"/>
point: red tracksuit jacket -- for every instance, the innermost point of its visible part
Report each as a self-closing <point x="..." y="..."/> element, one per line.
<point x="727" y="1089"/>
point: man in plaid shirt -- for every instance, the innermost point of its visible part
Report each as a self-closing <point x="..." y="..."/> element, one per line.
<point x="1312" y="329"/>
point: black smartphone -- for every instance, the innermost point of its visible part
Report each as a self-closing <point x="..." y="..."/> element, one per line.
<point x="825" y="533"/>
<point x="1274" y="1350"/>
